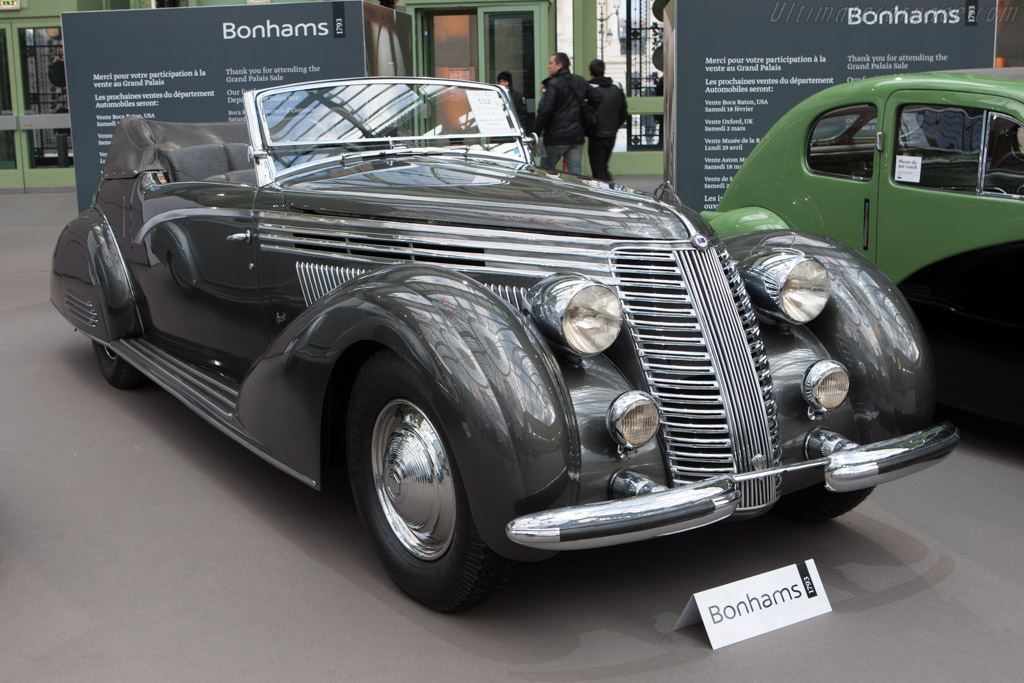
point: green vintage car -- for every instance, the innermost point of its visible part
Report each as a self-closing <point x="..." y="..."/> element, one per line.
<point x="923" y="174"/>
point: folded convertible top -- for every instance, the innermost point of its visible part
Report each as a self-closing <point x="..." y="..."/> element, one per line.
<point x="139" y="145"/>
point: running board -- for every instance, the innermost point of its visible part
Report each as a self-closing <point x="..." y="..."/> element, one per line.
<point x="212" y="397"/>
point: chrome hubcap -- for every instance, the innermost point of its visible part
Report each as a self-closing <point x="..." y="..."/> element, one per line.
<point x="413" y="481"/>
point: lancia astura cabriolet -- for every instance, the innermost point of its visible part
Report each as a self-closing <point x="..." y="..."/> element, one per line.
<point x="371" y="276"/>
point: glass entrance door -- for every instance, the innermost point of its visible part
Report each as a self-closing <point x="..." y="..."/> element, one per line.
<point x="35" y="123"/>
<point x="476" y="42"/>
<point x="45" y="121"/>
<point x="510" y="44"/>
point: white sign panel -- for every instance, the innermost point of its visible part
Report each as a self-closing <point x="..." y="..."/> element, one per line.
<point x="491" y="117"/>
<point x="908" y="169"/>
<point x="766" y="602"/>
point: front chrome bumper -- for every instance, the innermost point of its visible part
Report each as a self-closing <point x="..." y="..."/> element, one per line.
<point x="847" y="467"/>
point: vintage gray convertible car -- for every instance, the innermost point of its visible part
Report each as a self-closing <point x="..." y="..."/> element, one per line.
<point x="508" y="362"/>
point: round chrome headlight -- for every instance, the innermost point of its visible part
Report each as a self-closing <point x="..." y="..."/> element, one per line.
<point x="826" y="385"/>
<point x="575" y="313"/>
<point x="633" y="419"/>
<point x="787" y="285"/>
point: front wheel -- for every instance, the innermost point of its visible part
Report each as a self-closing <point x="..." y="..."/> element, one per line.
<point x="115" y="369"/>
<point x="408" y="491"/>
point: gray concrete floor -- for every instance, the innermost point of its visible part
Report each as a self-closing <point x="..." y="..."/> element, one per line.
<point x="139" y="544"/>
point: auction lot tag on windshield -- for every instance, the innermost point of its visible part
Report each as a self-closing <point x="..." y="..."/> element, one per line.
<point x="491" y="118"/>
<point x="759" y="604"/>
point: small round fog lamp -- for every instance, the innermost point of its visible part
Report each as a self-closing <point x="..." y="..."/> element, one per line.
<point x="826" y="385"/>
<point x="633" y="419"/>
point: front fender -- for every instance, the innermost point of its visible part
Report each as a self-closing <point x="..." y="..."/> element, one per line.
<point x="740" y="221"/>
<point x="869" y="327"/>
<point x="498" y="391"/>
<point x="89" y="283"/>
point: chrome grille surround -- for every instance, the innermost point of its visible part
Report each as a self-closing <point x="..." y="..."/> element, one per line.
<point x="708" y="427"/>
<point x="706" y="365"/>
<point x="81" y="311"/>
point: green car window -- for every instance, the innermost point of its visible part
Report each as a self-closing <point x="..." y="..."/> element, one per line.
<point x="1004" y="156"/>
<point x="842" y="142"/>
<point x="939" y="147"/>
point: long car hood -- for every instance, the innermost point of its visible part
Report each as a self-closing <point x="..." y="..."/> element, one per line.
<point x="456" y="191"/>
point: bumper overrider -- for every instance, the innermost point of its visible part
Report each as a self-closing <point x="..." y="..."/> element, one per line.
<point x="643" y="509"/>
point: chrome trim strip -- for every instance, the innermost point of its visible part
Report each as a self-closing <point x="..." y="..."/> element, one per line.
<point x="735" y="368"/>
<point x="175" y="214"/>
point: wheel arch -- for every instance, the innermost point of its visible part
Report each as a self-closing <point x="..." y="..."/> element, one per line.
<point x="496" y="386"/>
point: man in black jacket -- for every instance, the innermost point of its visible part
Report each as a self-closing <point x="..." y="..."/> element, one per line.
<point x="560" y="115"/>
<point x="518" y="101"/>
<point x="607" y="102"/>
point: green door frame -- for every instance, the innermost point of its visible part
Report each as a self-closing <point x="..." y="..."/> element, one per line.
<point x="12" y="177"/>
<point x="25" y="176"/>
<point x="584" y="32"/>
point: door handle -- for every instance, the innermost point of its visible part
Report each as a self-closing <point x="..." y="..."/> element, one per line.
<point x="241" y="237"/>
<point x="867" y="222"/>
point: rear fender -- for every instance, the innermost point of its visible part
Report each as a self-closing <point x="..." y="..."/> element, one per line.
<point x="89" y="284"/>
<point x="497" y="389"/>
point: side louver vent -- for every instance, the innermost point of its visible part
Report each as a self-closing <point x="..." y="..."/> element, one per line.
<point x="81" y="311"/>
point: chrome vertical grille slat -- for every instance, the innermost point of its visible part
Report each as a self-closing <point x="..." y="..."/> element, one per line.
<point x="691" y="320"/>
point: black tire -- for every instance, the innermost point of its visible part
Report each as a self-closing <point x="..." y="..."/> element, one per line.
<point x="818" y="504"/>
<point x="449" y="567"/>
<point x="116" y="370"/>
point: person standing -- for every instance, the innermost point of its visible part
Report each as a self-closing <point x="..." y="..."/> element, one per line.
<point x="518" y="101"/>
<point x="560" y="115"/>
<point x="607" y="103"/>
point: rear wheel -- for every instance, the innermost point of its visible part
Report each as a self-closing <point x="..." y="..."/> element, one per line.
<point x="408" y="491"/>
<point x="115" y="369"/>
<point x="818" y="504"/>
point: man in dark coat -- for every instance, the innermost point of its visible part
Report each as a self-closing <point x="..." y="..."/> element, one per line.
<point x="560" y="115"/>
<point x="518" y="101"/>
<point x="607" y="102"/>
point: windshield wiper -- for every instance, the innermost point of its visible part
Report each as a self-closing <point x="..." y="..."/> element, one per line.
<point x="462" y="150"/>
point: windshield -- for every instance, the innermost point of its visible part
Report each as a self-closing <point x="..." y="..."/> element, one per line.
<point x="316" y="121"/>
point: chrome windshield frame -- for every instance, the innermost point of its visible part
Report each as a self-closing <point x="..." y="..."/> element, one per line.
<point x="262" y="147"/>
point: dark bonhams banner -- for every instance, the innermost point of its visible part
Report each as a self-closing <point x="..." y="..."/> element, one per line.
<point x="192" y="65"/>
<point x="734" y="74"/>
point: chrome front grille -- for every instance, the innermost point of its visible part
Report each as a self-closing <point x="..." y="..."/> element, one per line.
<point x="705" y="364"/>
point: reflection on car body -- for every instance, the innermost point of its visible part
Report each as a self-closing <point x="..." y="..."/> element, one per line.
<point x="934" y="201"/>
<point x="509" y="362"/>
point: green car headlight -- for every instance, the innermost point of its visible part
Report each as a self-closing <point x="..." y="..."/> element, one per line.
<point x="576" y="313"/>
<point x="787" y="285"/>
